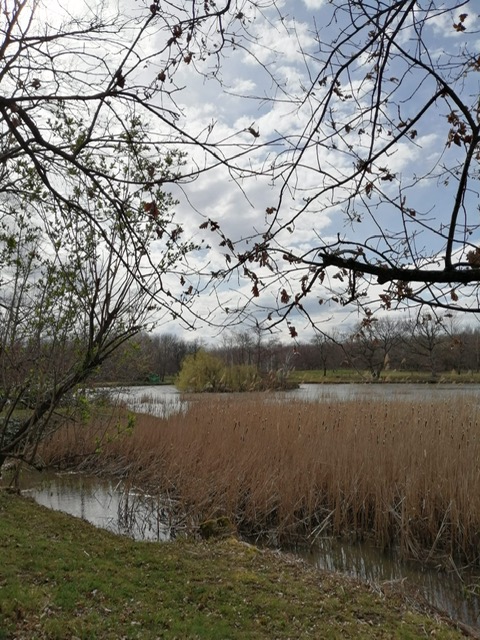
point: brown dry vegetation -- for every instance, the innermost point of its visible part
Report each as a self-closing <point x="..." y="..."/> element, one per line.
<point x="403" y="473"/>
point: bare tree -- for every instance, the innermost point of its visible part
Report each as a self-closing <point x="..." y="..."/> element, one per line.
<point x="324" y="345"/>
<point x="169" y="351"/>
<point x="470" y="346"/>
<point x="244" y="346"/>
<point x="90" y="250"/>
<point x="454" y="351"/>
<point x="131" y="363"/>
<point x="71" y="294"/>
<point x="426" y="335"/>
<point x="374" y="340"/>
<point x="380" y="82"/>
<point x="371" y="92"/>
<point x="76" y="82"/>
<point x="92" y="132"/>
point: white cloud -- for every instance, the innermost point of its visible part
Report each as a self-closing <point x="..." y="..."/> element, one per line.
<point x="283" y="38"/>
<point x="314" y="4"/>
<point x="443" y="23"/>
<point x="240" y="206"/>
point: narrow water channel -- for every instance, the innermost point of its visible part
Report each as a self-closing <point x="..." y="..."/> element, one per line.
<point x="106" y="504"/>
<point x="450" y="591"/>
<point x="102" y="502"/>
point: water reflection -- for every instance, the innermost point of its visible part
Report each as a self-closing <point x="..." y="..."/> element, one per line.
<point x="161" y="401"/>
<point x="103" y="503"/>
<point x="107" y="504"/>
<point x="164" y="400"/>
<point x="442" y="589"/>
<point x="382" y="391"/>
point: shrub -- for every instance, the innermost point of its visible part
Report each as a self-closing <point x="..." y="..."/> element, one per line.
<point x="241" y="377"/>
<point x="201" y="372"/>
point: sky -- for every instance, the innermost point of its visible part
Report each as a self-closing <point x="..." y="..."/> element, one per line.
<point x="276" y="56"/>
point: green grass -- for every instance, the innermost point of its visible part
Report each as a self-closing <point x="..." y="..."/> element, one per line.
<point x="62" y="578"/>
<point x="337" y="375"/>
<point x="316" y="376"/>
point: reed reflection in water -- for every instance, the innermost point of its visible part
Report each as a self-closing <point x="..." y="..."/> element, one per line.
<point x="107" y="504"/>
<point x="445" y="590"/>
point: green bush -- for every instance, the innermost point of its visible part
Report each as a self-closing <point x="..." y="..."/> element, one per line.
<point x="201" y="372"/>
<point x="242" y="377"/>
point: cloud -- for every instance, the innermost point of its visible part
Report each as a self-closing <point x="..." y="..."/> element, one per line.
<point x="314" y="4"/>
<point x="253" y="90"/>
<point x="287" y="38"/>
<point x="443" y="23"/>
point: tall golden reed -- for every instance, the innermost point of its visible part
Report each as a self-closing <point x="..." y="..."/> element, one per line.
<point x="401" y="473"/>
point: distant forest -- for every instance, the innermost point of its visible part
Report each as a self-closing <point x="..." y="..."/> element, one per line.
<point x="430" y="344"/>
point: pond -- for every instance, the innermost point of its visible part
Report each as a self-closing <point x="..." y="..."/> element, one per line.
<point x="447" y="590"/>
<point x="162" y="400"/>
<point x="109" y="504"/>
<point x="128" y="512"/>
<point x="383" y="391"/>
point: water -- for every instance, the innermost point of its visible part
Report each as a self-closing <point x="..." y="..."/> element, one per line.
<point x="382" y="391"/>
<point x="447" y="590"/>
<point x="104" y="503"/>
<point x="165" y="399"/>
<point x="110" y="505"/>
<point x="161" y="401"/>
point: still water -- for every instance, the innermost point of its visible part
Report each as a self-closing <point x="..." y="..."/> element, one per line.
<point x="110" y="505"/>
<point x="104" y="503"/>
<point x="164" y="399"/>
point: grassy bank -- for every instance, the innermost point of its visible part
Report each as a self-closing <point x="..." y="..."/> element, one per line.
<point x="338" y="376"/>
<point x="61" y="578"/>
<point x="399" y="473"/>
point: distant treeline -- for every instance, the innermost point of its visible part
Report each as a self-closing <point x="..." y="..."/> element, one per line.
<point x="430" y="344"/>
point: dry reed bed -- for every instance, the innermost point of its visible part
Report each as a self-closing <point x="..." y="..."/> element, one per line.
<point x="406" y="474"/>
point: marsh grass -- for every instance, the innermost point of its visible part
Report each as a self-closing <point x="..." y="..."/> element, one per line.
<point x="403" y="474"/>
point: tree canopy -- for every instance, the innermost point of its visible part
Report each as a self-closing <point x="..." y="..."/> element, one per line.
<point x="364" y="144"/>
<point x="222" y="160"/>
<point x="374" y="163"/>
